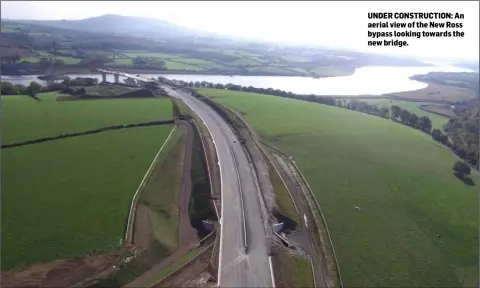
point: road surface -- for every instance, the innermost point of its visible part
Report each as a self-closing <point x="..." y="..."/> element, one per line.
<point x="236" y="268"/>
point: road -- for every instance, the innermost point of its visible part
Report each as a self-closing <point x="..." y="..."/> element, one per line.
<point x="236" y="268"/>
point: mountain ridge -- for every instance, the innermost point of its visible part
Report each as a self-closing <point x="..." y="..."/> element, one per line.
<point x="118" y="24"/>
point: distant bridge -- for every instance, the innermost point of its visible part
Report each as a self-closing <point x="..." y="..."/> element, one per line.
<point x="118" y="74"/>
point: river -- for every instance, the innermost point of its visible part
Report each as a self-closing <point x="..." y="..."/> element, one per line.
<point x="372" y="80"/>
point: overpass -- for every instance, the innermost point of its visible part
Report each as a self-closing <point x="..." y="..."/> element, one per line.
<point x="118" y="74"/>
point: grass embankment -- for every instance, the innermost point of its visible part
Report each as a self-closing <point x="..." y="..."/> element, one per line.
<point x="27" y="119"/>
<point x="302" y="272"/>
<point x="282" y="196"/>
<point x="292" y="271"/>
<point x="160" y="194"/>
<point x="418" y="224"/>
<point x="86" y="181"/>
<point x="413" y="107"/>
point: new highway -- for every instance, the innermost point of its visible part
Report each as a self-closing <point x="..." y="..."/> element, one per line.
<point x="243" y="249"/>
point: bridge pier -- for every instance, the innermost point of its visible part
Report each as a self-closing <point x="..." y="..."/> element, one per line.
<point x="117" y="78"/>
<point x="104" y="77"/>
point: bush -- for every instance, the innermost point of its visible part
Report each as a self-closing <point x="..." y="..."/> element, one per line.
<point x="461" y="168"/>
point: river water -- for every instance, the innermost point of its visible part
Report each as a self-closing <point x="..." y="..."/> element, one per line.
<point x="372" y="80"/>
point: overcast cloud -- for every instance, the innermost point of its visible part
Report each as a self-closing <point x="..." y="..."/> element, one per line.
<point x="336" y="24"/>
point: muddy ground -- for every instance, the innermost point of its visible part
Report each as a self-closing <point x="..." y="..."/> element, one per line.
<point x="65" y="272"/>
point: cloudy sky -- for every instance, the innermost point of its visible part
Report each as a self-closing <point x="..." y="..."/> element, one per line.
<point x="336" y="24"/>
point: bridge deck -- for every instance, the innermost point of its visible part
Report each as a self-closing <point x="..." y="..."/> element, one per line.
<point x="126" y="75"/>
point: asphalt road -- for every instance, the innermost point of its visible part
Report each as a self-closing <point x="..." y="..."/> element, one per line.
<point x="236" y="268"/>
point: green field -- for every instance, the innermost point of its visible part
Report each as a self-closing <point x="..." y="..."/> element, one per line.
<point x="151" y="55"/>
<point x="88" y="182"/>
<point x="67" y="60"/>
<point x="418" y="224"/>
<point x="171" y="65"/>
<point x="437" y="120"/>
<point x="26" y="119"/>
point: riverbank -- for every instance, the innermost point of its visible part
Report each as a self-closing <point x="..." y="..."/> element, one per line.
<point x="335" y="72"/>
<point x="372" y="81"/>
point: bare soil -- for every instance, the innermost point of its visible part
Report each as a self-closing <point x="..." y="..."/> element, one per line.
<point x="62" y="273"/>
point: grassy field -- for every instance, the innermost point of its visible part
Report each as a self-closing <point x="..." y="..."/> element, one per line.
<point x="437" y="120"/>
<point x="333" y="71"/>
<point x="418" y="224"/>
<point x="67" y="60"/>
<point x="86" y="181"/>
<point x="26" y="119"/>
<point x="171" y="65"/>
<point x="151" y="55"/>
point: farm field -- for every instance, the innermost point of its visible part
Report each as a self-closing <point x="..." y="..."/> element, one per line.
<point x="417" y="225"/>
<point x="437" y="120"/>
<point x="86" y="181"/>
<point x="67" y="60"/>
<point x="27" y="119"/>
<point x="171" y="65"/>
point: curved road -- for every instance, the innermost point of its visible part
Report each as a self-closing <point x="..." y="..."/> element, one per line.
<point x="237" y="268"/>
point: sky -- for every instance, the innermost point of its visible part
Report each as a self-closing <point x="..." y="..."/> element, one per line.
<point x="337" y="24"/>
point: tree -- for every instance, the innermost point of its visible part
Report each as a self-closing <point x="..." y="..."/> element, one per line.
<point x="33" y="88"/>
<point x="439" y="136"/>
<point x="20" y="89"/>
<point x="8" y="88"/>
<point x="461" y="168"/>
<point x="405" y="116"/>
<point x="425" y="123"/>
<point x="396" y="111"/>
<point x="413" y="120"/>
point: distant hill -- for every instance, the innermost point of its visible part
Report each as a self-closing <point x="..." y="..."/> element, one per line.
<point x="126" y="25"/>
